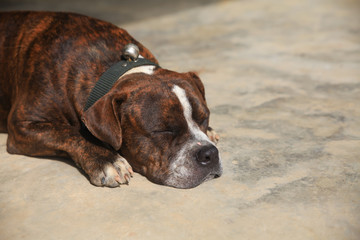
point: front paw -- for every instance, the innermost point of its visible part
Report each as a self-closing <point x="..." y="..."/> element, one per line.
<point x="113" y="174"/>
<point x="213" y="136"/>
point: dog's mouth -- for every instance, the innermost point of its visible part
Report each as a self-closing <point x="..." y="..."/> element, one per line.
<point x="193" y="180"/>
<point x="215" y="175"/>
<point x="188" y="170"/>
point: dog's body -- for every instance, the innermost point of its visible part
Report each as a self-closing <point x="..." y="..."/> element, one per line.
<point x="154" y="118"/>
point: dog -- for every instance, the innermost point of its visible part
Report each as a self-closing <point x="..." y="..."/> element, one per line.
<point x="152" y="120"/>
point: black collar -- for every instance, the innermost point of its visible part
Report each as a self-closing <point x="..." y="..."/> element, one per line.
<point x="108" y="78"/>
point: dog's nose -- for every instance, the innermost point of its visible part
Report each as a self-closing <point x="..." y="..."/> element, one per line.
<point x="208" y="155"/>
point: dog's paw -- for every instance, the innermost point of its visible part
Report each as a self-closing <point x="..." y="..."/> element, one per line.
<point x="213" y="136"/>
<point x="113" y="174"/>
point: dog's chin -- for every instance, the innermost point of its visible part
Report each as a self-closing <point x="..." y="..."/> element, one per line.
<point x="191" y="181"/>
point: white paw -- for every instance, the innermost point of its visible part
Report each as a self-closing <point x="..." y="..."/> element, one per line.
<point x="114" y="174"/>
<point x="213" y="136"/>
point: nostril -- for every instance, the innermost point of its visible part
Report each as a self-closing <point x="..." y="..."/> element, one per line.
<point x="207" y="155"/>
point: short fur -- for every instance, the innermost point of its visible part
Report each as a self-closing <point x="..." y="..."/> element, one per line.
<point x="49" y="62"/>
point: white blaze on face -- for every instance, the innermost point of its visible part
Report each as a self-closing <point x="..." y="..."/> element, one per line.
<point x="199" y="135"/>
<point x="184" y="170"/>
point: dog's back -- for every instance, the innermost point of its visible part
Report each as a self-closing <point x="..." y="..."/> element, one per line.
<point x="38" y="44"/>
<point x="21" y="34"/>
<point x="10" y="54"/>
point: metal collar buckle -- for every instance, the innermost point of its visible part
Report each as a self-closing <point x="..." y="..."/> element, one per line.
<point x="109" y="78"/>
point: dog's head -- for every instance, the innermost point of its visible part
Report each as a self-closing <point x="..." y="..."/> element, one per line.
<point x="158" y="122"/>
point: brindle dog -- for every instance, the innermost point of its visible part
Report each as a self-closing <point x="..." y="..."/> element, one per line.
<point x="153" y="118"/>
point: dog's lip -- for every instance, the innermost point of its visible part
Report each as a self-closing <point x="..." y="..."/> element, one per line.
<point x="194" y="183"/>
<point x="213" y="175"/>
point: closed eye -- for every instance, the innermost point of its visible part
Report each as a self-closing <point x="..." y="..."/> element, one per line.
<point x="158" y="132"/>
<point x="205" y="122"/>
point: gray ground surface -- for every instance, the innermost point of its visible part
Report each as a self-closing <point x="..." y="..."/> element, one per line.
<point x="283" y="84"/>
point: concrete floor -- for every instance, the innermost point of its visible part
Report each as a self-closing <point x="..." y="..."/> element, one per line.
<point x="283" y="84"/>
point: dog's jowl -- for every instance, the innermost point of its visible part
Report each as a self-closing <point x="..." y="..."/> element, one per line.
<point x="150" y="120"/>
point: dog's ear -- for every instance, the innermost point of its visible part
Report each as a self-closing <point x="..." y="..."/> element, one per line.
<point x="195" y="81"/>
<point x="102" y="120"/>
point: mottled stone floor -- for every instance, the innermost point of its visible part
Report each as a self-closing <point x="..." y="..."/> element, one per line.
<point x="283" y="84"/>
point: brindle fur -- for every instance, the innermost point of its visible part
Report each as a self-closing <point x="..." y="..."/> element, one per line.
<point x="49" y="62"/>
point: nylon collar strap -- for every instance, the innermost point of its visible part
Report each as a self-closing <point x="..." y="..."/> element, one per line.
<point x="109" y="78"/>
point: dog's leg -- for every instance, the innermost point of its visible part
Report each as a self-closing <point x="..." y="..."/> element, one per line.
<point x="103" y="166"/>
<point x="214" y="137"/>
